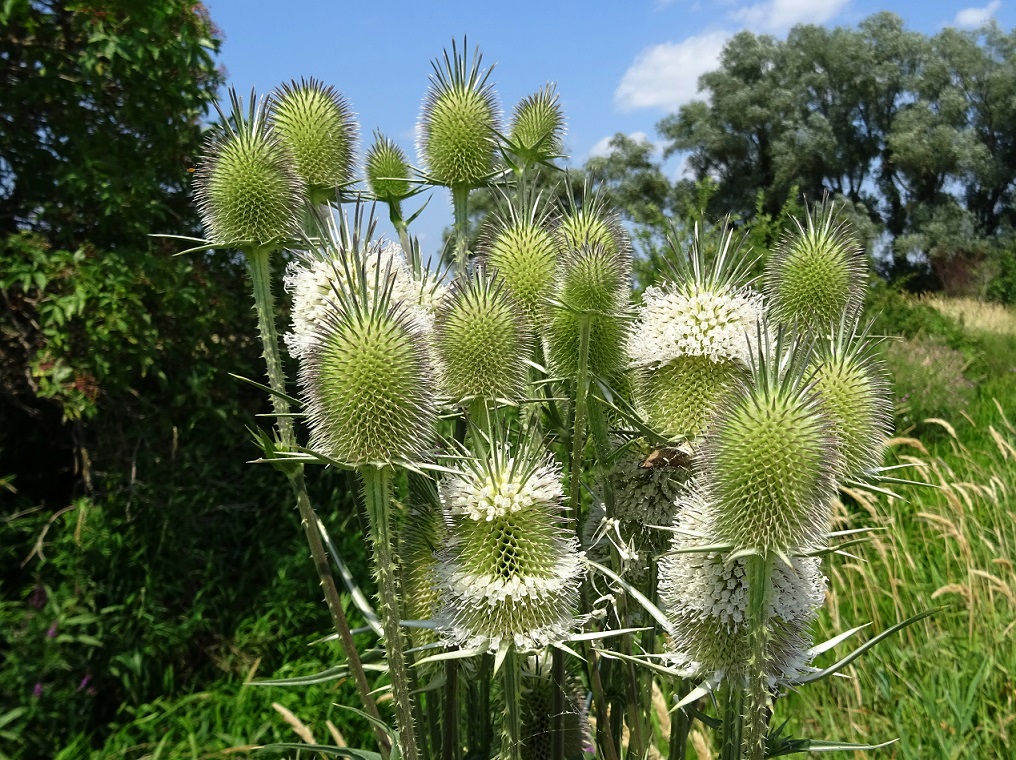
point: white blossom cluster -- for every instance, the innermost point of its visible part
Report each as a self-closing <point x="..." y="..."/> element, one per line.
<point x="485" y="494"/>
<point x="509" y="571"/>
<point x="691" y="321"/>
<point x="314" y="279"/>
<point x="706" y="598"/>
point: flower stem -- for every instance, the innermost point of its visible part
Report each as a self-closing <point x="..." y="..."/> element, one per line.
<point x="264" y="304"/>
<point x="377" y="495"/>
<point x="730" y="728"/>
<point x="757" y="706"/>
<point x="511" y="736"/>
<point x="460" y="202"/>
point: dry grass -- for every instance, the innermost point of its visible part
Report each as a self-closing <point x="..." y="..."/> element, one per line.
<point x="975" y="315"/>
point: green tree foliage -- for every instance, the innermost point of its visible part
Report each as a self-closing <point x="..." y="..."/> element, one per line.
<point x="917" y="133"/>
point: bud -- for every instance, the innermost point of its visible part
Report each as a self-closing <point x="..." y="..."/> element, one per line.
<point x="456" y="135"/>
<point x="510" y="570"/>
<point x="317" y="125"/>
<point x="537" y="125"/>
<point x="769" y="458"/>
<point x="387" y="170"/>
<point x="593" y="224"/>
<point x="537" y="709"/>
<point x="816" y="275"/>
<point x="482" y="341"/>
<point x="246" y="188"/>
<point x="367" y="378"/>
<point x="519" y="246"/>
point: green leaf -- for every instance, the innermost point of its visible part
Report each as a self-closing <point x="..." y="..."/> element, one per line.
<point x="354" y="754"/>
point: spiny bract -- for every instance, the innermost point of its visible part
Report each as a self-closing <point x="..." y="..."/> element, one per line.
<point x="457" y="130"/>
<point x="317" y="125"/>
<point x="246" y="189"/>
<point x="483" y="342"/>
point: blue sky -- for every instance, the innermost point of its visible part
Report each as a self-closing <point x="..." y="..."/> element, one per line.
<point x="619" y="66"/>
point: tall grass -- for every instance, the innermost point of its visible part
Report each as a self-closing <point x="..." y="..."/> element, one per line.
<point x="947" y="685"/>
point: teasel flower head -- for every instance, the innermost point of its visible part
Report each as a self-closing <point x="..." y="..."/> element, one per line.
<point x="247" y="191"/>
<point x="537" y="126"/>
<point x="482" y="341"/>
<point x="518" y="243"/>
<point x="705" y="596"/>
<point x="852" y="381"/>
<point x="594" y="284"/>
<point x="510" y="571"/>
<point x="591" y="223"/>
<point x="387" y="170"/>
<point x="367" y="379"/>
<point x="457" y="131"/>
<point x="537" y="709"/>
<point x="329" y="266"/>
<point x="691" y="343"/>
<point x="317" y="125"/>
<point x="817" y="272"/>
<point x="769" y="457"/>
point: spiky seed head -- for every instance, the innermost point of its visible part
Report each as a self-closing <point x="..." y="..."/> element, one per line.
<point x="456" y="135"/>
<point x="317" y="276"/>
<point x="367" y="380"/>
<point x="537" y="125"/>
<point x="387" y="170"/>
<point x="317" y="125"/>
<point x="817" y="272"/>
<point x="853" y="384"/>
<point x="483" y="342"/>
<point x="246" y="188"/>
<point x="705" y="596"/>
<point x="769" y="457"/>
<point x="517" y="243"/>
<point x="593" y="284"/>
<point x="510" y="570"/>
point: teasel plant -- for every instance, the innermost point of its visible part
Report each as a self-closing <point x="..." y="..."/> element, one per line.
<point x="572" y="499"/>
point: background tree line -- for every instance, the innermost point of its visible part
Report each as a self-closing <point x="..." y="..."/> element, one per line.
<point x="916" y="133"/>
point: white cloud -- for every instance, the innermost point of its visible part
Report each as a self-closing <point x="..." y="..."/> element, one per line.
<point x="602" y="148"/>
<point x="971" y="18"/>
<point x="666" y="76"/>
<point x="780" y="15"/>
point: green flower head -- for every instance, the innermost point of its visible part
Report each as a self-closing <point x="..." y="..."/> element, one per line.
<point x="594" y="285"/>
<point x="852" y="382"/>
<point x="482" y="341"/>
<point x="457" y="131"/>
<point x="593" y="223"/>
<point x="366" y="375"/>
<point x="387" y="170"/>
<point x="769" y="457"/>
<point x="519" y="245"/>
<point x="317" y="125"/>
<point x="247" y="190"/>
<point x="816" y="274"/>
